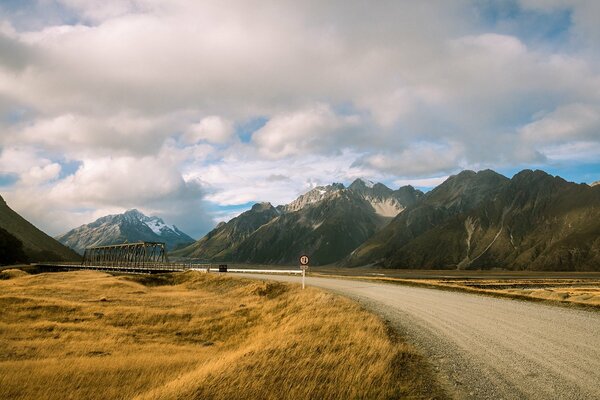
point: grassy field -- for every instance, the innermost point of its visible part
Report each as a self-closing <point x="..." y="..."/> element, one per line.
<point x="194" y="336"/>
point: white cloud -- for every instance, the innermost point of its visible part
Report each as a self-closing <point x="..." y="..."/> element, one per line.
<point x="38" y="175"/>
<point x="79" y="136"/>
<point x="301" y="133"/>
<point x="213" y="129"/>
<point x="418" y="160"/>
<point x="17" y="159"/>
<point x="427" y="182"/>
<point x="120" y="181"/>
<point x="234" y="181"/>
<point x="585" y="151"/>
<point x="566" y="123"/>
<point x="112" y="184"/>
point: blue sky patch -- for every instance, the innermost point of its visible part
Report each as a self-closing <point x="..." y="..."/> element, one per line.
<point x="7" y="179"/>
<point x="507" y="17"/>
<point x="68" y="168"/>
<point x="573" y="172"/>
<point x="245" y="129"/>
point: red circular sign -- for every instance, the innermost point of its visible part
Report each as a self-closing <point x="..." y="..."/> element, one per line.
<point x="304" y="260"/>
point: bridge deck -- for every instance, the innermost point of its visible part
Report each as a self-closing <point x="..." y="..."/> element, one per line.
<point x="158" y="268"/>
<point x="143" y="268"/>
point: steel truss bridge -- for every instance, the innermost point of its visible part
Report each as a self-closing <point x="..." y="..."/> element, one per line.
<point x="126" y="255"/>
<point x="141" y="257"/>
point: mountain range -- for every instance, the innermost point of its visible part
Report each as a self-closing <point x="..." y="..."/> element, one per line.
<point x="473" y="220"/>
<point x="20" y="241"/>
<point x="482" y="220"/>
<point x="131" y="226"/>
<point x="328" y="222"/>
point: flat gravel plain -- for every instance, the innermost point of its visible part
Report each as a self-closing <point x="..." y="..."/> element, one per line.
<point x="484" y="347"/>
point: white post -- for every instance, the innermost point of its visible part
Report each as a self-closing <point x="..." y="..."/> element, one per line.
<point x="303" y="274"/>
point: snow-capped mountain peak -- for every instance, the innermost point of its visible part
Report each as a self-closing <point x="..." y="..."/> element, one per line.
<point x="131" y="226"/>
<point x="157" y="225"/>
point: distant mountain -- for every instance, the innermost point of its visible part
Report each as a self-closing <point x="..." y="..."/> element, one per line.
<point x="327" y="222"/>
<point x="595" y="183"/>
<point x="131" y="226"/>
<point x="19" y="238"/>
<point x="218" y="243"/>
<point x="483" y="220"/>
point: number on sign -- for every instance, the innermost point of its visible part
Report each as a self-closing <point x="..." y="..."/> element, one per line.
<point x="304" y="260"/>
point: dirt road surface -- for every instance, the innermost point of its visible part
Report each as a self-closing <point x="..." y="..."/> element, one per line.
<point x="484" y="347"/>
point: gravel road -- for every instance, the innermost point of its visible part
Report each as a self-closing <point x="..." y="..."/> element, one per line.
<point x="484" y="347"/>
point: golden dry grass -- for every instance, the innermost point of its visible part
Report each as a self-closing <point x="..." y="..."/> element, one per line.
<point x="12" y="273"/>
<point x="195" y="336"/>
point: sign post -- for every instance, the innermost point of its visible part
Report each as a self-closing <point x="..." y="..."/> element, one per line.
<point x="304" y="266"/>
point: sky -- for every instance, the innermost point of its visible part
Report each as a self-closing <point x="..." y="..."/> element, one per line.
<point x="194" y="110"/>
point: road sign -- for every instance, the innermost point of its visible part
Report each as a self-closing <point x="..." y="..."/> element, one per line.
<point x="304" y="266"/>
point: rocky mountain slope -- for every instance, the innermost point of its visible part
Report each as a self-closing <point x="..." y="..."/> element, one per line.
<point x="131" y="226"/>
<point x="19" y="237"/>
<point x="483" y="220"/>
<point x="217" y="243"/>
<point x="327" y="222"/>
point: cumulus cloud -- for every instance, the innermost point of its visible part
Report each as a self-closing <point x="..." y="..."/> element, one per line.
<point x="213" y="129"/>
<point x="417" y="160"/>
<point x="566" y="123"/>
<point x="16" y="159"/>
<point x="82" y="135"/>
<point x="108" y="185"/>
<point x="300" y="133"/>
<point x="425" y="183"/>
<point x="234" y="181"/>
<point x="37" y="175"/>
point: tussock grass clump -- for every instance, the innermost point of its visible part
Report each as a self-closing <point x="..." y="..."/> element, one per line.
<point x="12" y="273"/>
<point x="195" y="336"/>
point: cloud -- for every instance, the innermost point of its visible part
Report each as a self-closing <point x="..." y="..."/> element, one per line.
<point x="213" y="129"/>
<point x="316" y="129"/>
<point x="422" y="183"/>
<point x="125" y="181"/>
<point x="586" y="151"/>
<point x="233" y="181"/>
<point x="418" y="160"/>
<point x="566" y="123"/>
<point x="37" y="175"/>
<point x="111" y="184"/>
<point x="20" y="159"/>
<point x="277" y="178"/>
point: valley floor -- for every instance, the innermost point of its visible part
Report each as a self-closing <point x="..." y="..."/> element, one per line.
<point x="195" y="336"/>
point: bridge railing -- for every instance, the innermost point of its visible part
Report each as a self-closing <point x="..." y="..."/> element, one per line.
<point x="162" y="267"/>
